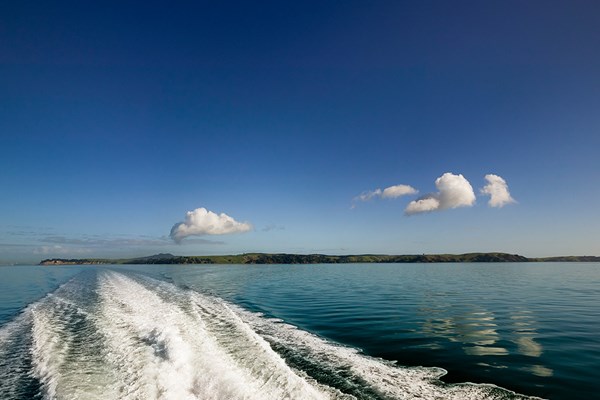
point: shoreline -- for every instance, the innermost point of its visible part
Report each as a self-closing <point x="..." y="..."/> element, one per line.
<point x="285" y="258"/>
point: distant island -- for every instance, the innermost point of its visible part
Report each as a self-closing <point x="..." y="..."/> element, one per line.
<point x="283" y="258"/>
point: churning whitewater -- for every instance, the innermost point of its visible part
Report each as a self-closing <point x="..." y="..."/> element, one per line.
<point x="114" y="335"/>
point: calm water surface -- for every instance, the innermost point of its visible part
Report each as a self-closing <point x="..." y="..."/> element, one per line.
<point x="227" y="331"/>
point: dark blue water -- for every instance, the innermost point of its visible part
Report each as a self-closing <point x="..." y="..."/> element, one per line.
<point x="531" y="328"/>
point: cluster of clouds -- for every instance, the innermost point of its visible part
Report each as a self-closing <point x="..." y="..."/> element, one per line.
<point x="453" y="191"/>
<point x="201" y="222"/>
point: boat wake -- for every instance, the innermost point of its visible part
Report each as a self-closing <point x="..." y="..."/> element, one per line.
<point x="113" y="335"/>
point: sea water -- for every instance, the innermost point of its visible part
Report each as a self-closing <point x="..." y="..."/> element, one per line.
<point x="364" y="331"/>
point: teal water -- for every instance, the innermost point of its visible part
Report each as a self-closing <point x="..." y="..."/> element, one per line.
<point x="301" y="331"/>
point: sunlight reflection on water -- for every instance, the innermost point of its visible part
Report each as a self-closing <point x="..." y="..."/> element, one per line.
<point x="477" y="330"/>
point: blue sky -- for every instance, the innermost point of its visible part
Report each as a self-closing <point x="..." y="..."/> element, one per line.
<point x="117" y="119"/>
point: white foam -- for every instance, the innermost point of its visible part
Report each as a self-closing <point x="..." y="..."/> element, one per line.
<point x="14" y="349"/>
<point x="48" y="351"/>
<point x="164" y="350"/>
<point x="65" y="362"/>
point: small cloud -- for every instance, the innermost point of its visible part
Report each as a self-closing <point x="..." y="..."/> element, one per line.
<point x="453" y="191"/>
<point x="396" y="191"/>
<point x="15" y="245"/>
<point x="425" y="204"/>
<point x="392" y="192"/>
<point x="497" y="189"/>
<point x="98" y="241"/>
<point x="63" y="240"/>
<point x="204" y="222"/>
<point x="203" y="242"/>
<point x="366" y="196"/>
<point x="58" y="250"/>
<point x="273" y="227"/>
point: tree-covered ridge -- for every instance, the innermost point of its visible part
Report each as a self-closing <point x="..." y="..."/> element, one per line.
<point x="568" y="259"/>
<point x="283" y="258"/>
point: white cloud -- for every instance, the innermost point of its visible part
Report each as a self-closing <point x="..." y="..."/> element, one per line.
<point x="204" y="222"/>
<point x="453" y="191"/>
<point x="422" y="205"/>
<point x="273" y="227"/>
<point x="98" y="241"/>
<point x="391" y="192"/>
<point x="58" y="250"/>
<point x="497" y="189"/>
<point x="396" y="191"/>
<point x="366" y="196"/>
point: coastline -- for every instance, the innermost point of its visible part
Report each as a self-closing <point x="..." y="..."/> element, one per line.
<point x="285" y="258"/>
